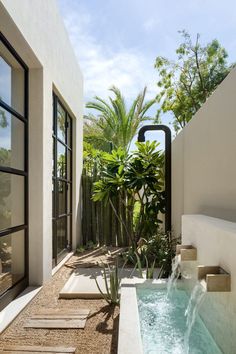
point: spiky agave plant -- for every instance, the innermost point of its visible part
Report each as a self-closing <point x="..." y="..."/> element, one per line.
<point x="149" y="268"/>
<point x="111" y="273"/>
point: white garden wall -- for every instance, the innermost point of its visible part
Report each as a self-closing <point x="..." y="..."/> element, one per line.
<point x="203" y="159"/>
<point x="215" y="240"/>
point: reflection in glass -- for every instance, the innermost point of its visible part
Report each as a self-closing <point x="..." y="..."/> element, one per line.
<point x="61" y="235"/>
<point x="53" y="156"/>
<point x="12" y="74"/>
<point x="69" y="177"/>
<point x="62" y="132"/>
<point x="68" y="229"/>
<point x="11" y="200"/>
<point x="5" y="74"/>
<point x="69" y="131"/>
<point x="11" y="141"/>
<point x="61" y="122"/>
<point x="53" y="195"/>
<point x="61" y="195"/>
<point x="12" y="253"/>
<point x="61" y="160"/>
<point x="69" y="198"/>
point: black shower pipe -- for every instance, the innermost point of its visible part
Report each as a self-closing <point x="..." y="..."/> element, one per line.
<point x="167" y="131"/>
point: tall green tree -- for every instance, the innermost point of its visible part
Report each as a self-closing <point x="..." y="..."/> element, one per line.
<point x="114" y="123"/>
<point x="185" y="84"/>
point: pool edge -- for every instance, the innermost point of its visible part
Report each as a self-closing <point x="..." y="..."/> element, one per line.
<point x="129" y="339"/>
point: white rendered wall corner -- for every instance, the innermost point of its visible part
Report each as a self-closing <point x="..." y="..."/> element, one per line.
<point x="34" y="28"/>
<point x="203" y="154"/>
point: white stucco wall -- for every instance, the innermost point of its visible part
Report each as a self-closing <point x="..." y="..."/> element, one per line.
<point x="203" y="167"/>
<point x="36" y="31"/>
<point x="215" y="240"/>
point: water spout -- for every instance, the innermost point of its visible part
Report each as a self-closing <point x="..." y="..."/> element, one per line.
<point x="214" y="278"/>
<point x="186" y="252"/>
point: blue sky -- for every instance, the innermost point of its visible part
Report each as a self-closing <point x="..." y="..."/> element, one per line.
<point x="117" y="41"/>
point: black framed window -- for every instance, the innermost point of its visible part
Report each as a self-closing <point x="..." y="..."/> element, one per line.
<point x="61" y="180"/>
<point x="13" y="173"/>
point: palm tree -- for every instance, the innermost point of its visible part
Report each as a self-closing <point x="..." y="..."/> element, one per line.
<point x="114" y="123"/>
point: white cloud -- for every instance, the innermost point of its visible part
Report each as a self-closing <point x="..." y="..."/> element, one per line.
<point x="103" y="67"/>
<point x="151" y="24"/>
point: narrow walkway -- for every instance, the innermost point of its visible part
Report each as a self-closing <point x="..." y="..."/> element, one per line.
<point x="100" y="335"/>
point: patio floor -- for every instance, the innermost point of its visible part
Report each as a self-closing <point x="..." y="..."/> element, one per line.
<point x="99" y="336"/>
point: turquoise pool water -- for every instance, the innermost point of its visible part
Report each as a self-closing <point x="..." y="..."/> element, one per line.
<point x="163" y="324"/>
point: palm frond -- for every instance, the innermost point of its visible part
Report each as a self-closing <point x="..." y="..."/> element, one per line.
<point x="118" y="124"/>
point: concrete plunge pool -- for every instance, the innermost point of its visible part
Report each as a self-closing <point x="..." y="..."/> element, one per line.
<point x="152" y="322"/>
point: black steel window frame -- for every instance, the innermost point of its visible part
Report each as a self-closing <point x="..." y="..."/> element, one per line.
<point x="55" y="179"/>
<point x="13" y="291"/>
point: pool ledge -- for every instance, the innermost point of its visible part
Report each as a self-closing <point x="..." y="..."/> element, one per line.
<point x="129" y="340"/>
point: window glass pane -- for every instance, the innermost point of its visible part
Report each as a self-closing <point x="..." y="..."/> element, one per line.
<point x="61" y="198"/>
<point x="53" y="241"/>
<point x="69" y="177"/>
<point x="11" y="80"/>
<point x="69" y="131"/>
<point x="69" y="230"/>
<point x="11" y="141"/>
<point x="12" y="255"/>
<point x="11" y="200"/>
<point x="53" y="155"/>
<point x="69" y="198"/>
<point x="61" y="160"/>
<point x="61" y="123"/>
<point x="53" y="196"/>
<point x="61" y="235"/>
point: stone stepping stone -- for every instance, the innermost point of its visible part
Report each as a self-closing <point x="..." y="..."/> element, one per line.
<point x="82" y="285"/>
<point x="19" y="349"/>
<point x="57" y="319"/>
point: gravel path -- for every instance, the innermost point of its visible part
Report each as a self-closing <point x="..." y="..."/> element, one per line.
<point x="99" y="336"/>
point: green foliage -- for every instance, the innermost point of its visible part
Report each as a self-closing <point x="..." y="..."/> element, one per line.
<point x="80" y="249"/>
<point x="113" y="175"/>
<point x="111" y="274"/>
<point x="138" y="180"/>
<point x="5" y="183"/>
<point x="91" y="160"/>
<point x="157" y="250"/>
<point x="115" y="124"/>
<point x="186" y="83"/>
<point x="61" y="165"/>
<point x="89" y="246"/>
<point x="3" y="119"/>
<point x="149" y="271"/>
<point x="5" y="157"/>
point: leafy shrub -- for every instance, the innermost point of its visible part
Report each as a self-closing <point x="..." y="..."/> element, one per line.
<point x="159" y="248"/>
<point x="139" y="181"/>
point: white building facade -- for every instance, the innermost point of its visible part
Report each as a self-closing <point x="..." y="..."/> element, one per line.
<point x="41" y="95"/>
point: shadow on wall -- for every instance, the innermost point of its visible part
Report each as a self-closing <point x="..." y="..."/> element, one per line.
<point x="221" y="213"/>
